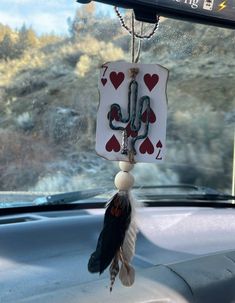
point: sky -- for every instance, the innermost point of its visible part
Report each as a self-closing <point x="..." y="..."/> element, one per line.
<point x="45" y="16"/>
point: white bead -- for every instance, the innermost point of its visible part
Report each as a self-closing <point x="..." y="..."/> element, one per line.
<point x="125" y="166"/>
<point x="124" y="180"/>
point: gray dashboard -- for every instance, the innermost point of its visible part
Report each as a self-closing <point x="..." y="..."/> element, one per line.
<point x="182" y="255"/>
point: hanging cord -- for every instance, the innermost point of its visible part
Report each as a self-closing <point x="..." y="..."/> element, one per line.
<point x="133" y="37"/>
<point x="140" y="45"/>
<point x="131" y="31"/>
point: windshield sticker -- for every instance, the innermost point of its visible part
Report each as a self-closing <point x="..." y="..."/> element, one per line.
<point x="131" y="119"/>
<point x="208" y="5"/>
<point x="191" y="3"/>
<point x="216" y="10"/>
<point x="222" y="5"/>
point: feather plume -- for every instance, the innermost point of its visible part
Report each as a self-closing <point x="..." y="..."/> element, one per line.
<point x="127" y="252"/>
<point x="128" y="247"/>
<point x="127" y="274"/>
<point x="116" y="222"/>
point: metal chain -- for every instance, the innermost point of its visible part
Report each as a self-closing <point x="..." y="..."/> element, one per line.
<point x="130" y="31"/>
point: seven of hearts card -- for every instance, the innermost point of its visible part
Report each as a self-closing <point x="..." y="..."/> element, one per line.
<point x="136" y="108"/>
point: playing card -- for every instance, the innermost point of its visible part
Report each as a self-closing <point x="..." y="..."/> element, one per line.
<point x="148" y="135"/>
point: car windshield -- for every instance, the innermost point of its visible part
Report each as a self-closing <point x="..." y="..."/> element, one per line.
<point x="50" y="54"/>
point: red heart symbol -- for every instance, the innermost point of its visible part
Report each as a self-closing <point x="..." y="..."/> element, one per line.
<point x="147" y="147"/>
<point x="113" y="145"/>
<point x="114" y="114"/>
<point x="116" y="79"/>
<point x="130" y="132"/>
<point x="104" y="81"/>
<point x="159" y="144"/>
<point x="151" y="81"/>
<point x="152" y="117"/>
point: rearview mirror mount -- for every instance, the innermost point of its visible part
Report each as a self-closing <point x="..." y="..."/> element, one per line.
<point x="213" y="12"/>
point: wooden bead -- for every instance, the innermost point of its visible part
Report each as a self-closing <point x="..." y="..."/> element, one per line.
<point x="124" y="180"/>
<point x="125" y="166"/>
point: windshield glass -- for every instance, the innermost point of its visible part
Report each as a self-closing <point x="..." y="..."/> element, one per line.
<point x="50" y="54"/>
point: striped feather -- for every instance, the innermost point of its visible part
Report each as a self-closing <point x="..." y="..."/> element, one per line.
<point x="114" y="270"/>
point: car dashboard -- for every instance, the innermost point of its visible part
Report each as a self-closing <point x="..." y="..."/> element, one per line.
<point x="183" y="254"/>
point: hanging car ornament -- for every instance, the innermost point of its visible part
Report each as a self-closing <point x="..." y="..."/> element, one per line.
<point x="131" y="128"/>
<point x="131" y="118"/>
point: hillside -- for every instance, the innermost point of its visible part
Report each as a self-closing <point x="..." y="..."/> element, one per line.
<point x="49" y="98"/>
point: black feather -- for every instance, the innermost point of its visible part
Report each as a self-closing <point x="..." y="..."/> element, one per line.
<point x="116" y="222"/>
